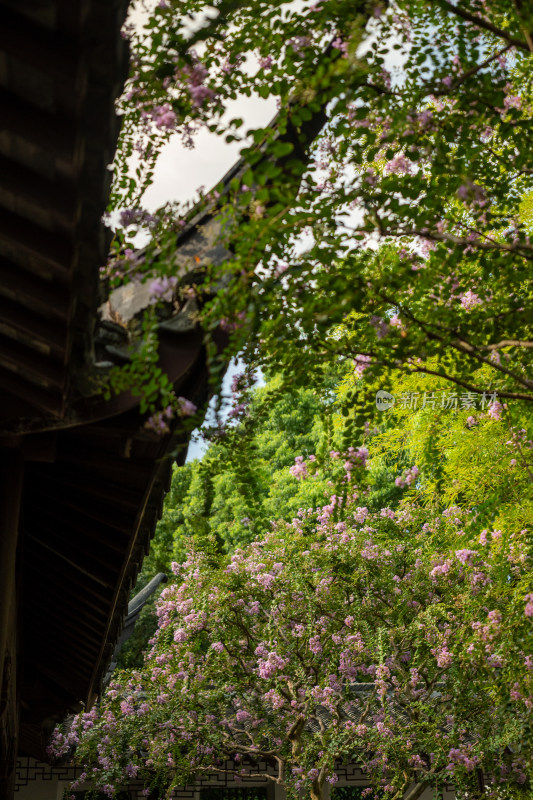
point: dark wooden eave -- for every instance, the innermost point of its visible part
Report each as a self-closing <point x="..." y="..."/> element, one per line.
<point x="90" y="498"/>
<point x="88" y="517"/>
<point x="62" y="65"/>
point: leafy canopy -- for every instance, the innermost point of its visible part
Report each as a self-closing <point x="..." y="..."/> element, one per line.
<point x="384" y="217"/>
<point x="381" y="639"/>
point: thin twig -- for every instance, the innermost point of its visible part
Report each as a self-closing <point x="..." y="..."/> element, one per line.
<point x="479" y="22"/>
<point x="468" y="74"/>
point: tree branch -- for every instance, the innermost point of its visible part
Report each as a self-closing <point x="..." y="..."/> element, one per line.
<point x="468" y="74"/>
<point x="465" y="347"/>
<point x="479" y="22"/>
<point x="415" y="792"/>
<point x="402" y="365"/>
<point x="505" y="343"/>
<point x="234" y="773"/>
<point x="469" y="386"/>
<point x="527" y="34"/>
<point x="459" y="344"/>
<point x="489" y="244"/>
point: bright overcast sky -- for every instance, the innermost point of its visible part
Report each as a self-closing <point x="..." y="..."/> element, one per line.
<point x="180" y="172"/>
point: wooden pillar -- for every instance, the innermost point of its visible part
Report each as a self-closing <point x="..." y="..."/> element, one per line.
<point x="11" y="475"/>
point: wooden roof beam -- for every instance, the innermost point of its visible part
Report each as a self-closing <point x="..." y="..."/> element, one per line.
<point x="45" y="335"/>
<point x="43" y="296"/>
<point x="23" y="359"/>
<point x="26" y="238"/>
<point x="52" y="134"/>
<point x="84" y="517"/>
<point x="56" y="196"/>
<point x="49" y="52"/>
<point x="97" y="575"/>
<point x="35" y="395"/>
<point x="62" y="478"/>
<point x="100" y="597"/>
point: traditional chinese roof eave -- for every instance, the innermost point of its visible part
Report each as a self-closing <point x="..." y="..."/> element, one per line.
<point x="90" y="515"/>
<point x="62" y="66"/>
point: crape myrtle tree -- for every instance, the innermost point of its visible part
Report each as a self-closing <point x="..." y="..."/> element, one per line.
<point x="282" y="449"/>
<point x="287" y="450"/>
<point x="399" y="641"/>
<point x="397" y="238"/>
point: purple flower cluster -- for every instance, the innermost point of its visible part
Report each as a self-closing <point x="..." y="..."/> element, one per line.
<point x="299" y="469"/>
<point x="195" y="77"/>
<point x="163" y="288"/>
<point x="237" y="667"/>
<point x="469" y="300"/>
<point x="408" y="477"/>
<point x="138" y="217"/>
<point x="165" y="117"/>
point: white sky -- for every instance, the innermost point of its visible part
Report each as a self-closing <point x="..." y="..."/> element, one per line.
<point x="180" y="172"/>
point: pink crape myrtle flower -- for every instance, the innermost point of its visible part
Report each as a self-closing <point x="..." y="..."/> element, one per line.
<point x="159" y="422"/>
<point x="528" y="611"/>
<point x="163" y="288"/>
<point x="195" y="77"/>
<point x="165" y="117"/>
<point x="299" y="469"/>
<point x="396" y="322"/>
<point x="469" y="300"/>
<point x="399" y="165"/>
<point x="357" y="611"/>
<point x="465" y="556"/>
<point x="409" y="477"/>
<point x="512" y="101"/>
<point x="361" y="362"/>
<point x="186" y="407"/>
<point x="495" y="410"/>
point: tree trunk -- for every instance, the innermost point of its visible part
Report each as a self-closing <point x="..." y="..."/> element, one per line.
<point x="415" y="791"/>
<point x="317" y="790"/>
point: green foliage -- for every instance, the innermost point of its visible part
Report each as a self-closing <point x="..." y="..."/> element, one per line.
<point x="474" y="457"/>
<point x="169" y="544"/>
<point x="417" y="199"/>
<point x="379" y="239"/>
<point x="376" y="639"/>
<point x="243" y="482"/>
<point x="464" y="458"/>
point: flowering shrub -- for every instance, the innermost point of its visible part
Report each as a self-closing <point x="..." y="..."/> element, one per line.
<point x="377" y="640"/>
